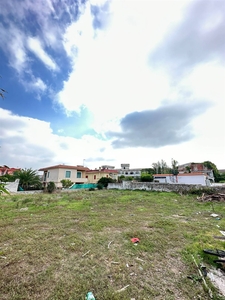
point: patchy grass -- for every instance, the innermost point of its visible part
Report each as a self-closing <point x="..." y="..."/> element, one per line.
<point x="61" y="246"/>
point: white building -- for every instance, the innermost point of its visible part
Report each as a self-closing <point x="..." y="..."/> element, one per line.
<point x="126" y="171"/>
<point x="185" y="178"/>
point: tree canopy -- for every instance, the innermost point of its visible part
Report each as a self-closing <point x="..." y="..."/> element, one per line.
<point x="28" y="178"/>
<point x="105" y="181"/>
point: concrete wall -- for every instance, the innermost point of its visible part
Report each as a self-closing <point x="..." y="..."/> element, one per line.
<point x="12" y="187"/>
<point x="162" y="187"/>
<point x="194" y="179"/>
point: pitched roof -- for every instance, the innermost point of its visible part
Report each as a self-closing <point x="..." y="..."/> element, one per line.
<point x="108" y="171"/>
<point x="78" y="168"/>
<point x="180" y="174"/>
<point x="160" y="175"/>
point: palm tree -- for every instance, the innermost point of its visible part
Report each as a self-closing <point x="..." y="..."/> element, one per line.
<point x="28" y="177"/>
<point x="2" y="189"/>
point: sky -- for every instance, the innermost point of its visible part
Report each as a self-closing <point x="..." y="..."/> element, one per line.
<point x="103" y="82"/>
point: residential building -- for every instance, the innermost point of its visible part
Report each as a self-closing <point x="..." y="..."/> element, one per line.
<point x="126" y="171"/>
<point x="185" y="178"/>
<point x="93" y="176"/>
<point x="77" y="174"/>
<point x="4" y="170"/>
<point x="196" y="168"/>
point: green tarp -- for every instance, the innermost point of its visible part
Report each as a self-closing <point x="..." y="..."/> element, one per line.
<point x="83" y="186"/>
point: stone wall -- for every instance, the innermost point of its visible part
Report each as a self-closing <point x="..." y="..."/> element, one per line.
<point x="162" y="187"/>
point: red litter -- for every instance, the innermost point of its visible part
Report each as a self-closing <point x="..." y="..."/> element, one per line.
<point x="135" y="240"/>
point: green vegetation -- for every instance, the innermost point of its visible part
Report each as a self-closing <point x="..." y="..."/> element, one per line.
<point x="105" y="181"/>
<point x="2" y="189"/>
<point x="146" y="177"/>
<point x="51" y="187"/>
<point x="161" y="167"/>
<point x="62" y="245"/>
<point x="213" y="167"/>
<point x="66" y="183"/>
<point x="28" y="179"/>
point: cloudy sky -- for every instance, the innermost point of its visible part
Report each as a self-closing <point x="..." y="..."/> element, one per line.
<point x="109" y="82"/>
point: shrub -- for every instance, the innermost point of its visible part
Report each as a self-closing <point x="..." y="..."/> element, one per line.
<point x="91" y="189"/>
<point x="51" y="187"/>
<point x="66" y="183"/>
<point x="105" y="181"/>
<point x="100" y="186"/>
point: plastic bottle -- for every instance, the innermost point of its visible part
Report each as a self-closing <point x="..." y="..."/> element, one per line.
<point x="89" y="296"/>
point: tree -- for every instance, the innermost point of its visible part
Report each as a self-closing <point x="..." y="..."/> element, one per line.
<point x="7" y="178"/>
<point x="66" y="183"/>
<point x="174" y="164"/>
<point x="148" y="171"/>
<point x="212" y="166"/>
<point x="28" y="178"/>
<point x="2" y="92"/>
<point x="2" y="189"/>
<point x="105" y="181"/>
<point x="160" y="167"/>
<point x="146" y="177"/>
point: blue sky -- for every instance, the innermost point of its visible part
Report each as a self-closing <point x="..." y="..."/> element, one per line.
<point x="109" y="82"/>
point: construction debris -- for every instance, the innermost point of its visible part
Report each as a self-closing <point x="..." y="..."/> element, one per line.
<point x="213" y="197"/>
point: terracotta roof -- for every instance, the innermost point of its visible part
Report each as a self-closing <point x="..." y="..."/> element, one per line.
<point x="192" y="174"/>
<point x="102" y="171"/>
<point x="183" y="174"/>
<point x="160" y="175"/>
<point x="79" y="168"/>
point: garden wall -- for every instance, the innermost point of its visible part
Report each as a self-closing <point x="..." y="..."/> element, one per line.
<point x="162" y="187"/>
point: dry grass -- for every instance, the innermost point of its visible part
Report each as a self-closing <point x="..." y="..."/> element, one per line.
<point x="61" y="246"/>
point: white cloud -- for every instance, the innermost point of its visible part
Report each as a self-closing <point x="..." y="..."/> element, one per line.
<point x="29" y="142"/>
<point x="110" y="67"/>
<point x="34" y="45"/>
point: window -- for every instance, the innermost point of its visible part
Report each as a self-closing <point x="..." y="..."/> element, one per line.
<point x="79" y="174"/>
<point x="107" y="176"/>
<point x="86" y="176"/>
<point x="48" y="174"/>
<point x="94" y="176"/>
<point x="68" y="174"/>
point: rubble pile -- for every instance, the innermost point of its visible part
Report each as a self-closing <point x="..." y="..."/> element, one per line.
<point x="213" y="197"/>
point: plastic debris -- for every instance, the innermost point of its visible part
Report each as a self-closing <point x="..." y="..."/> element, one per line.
<point x="89" y="296"/>
<point x="214" y="215"/>
<point x="135" y="240"/>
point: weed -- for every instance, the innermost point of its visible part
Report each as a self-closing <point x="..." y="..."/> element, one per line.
<point x="67" y="244"/>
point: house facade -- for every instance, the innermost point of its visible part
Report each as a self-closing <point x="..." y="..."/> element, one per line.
<point x="127" y="172"/>
<point x="196" y="168"/>
<point x="76" y="174"/>
<point x="93" y="176"/>
<point x="185" y="178"/>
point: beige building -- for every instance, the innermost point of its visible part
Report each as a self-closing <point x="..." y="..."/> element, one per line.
<point x="77" y="174"/>
<point x="93" y="176"/>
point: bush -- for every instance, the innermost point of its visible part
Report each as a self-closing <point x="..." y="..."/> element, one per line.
<point x="91" y="189"/>
<point x="105" y="181"/>
<point x="51" y="187"/>
<point x="100" y="186"/>
<point x="147" y="178"/>
<point x="66" y="183"/>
